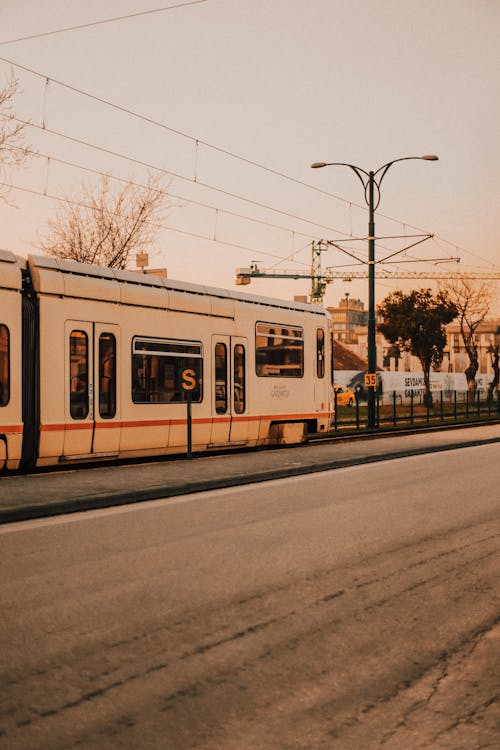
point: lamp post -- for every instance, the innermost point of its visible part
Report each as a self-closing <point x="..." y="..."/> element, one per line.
<point x="371" y="182"/>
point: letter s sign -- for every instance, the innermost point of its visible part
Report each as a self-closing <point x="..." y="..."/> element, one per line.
<point x="188" y="380"/>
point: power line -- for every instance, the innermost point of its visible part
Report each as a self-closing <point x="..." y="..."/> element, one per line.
<point x="178" y="176"/>
<point x="166" y="193"/>
<point x="180" y="197"/>
<point x="100" y="23"/>
<point x="147" y="165"/>
<point x="196" y="141"/>
<point x="72" y="202"/>
<point x="220" y="150"/>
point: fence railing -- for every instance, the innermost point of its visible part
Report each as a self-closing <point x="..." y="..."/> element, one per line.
<point x="410" y="409"/>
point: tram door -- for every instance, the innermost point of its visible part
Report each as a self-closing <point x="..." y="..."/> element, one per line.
<point x="92" y="418"/>
<point x="229" y="390"/>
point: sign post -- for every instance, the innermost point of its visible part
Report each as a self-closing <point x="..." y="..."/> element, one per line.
<point x="189" y="383"/>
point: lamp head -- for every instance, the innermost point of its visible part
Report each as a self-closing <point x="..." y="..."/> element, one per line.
<point x="430" y="157"/>
<point x="318" y="165"/>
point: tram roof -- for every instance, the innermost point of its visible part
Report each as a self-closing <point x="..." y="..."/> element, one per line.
<point x="158" y="282"/>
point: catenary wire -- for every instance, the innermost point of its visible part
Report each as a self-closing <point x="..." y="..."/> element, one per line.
<point x="177" y="175"/>
<point x="167" y="193"/>
<point x="198" y="141"/>
<point x="200" y="183"/>
<point x="186" y="199"/>
<point x="104" y="21"/>
<point x="159" y="225"/>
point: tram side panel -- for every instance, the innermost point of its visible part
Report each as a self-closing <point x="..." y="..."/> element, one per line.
<point x="11" y="417"/>
<point x="145" y="425"/>
<point x="111" y="359"/>
<point x="159" y="345"/>
<point x="232" y="405"/>
<point x="72" y="373"/>
<point x="288" y="376"/>
<point x="68" y="307"/>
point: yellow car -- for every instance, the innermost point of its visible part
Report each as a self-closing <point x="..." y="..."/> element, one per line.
<point x="344" y="396"/>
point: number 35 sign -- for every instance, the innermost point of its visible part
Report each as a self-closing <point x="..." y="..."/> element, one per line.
<point x="370" y="380"/>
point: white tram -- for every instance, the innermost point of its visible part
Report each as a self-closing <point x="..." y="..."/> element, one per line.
<point x="94" y="364"/>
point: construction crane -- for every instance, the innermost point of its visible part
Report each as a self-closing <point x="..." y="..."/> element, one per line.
<point x="382" y="274"/>
<point x="319" y="279"/>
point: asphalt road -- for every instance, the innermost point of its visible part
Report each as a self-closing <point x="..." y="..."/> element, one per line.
<point x="351" y="609"/>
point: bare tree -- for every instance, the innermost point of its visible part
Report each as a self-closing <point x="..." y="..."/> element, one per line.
<point x="13" y="149"/>
<point x="494" y="352"/>
<point x="472" y="299"/>
<point x="106" y="223"/>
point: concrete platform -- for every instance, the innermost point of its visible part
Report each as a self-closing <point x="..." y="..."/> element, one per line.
<point x="79" y="489"/>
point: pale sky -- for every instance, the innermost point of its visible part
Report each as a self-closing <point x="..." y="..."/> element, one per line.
<point x="281" y="83"/>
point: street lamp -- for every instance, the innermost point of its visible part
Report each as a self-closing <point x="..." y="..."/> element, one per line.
<point x="371" y="185"/>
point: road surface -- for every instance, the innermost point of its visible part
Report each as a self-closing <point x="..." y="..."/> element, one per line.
<point x="345" y="610"/>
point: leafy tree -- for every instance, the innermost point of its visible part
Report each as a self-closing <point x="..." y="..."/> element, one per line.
<point x="13" y="149"/>
<point x="472" y="299"/>
<point x="105" y="224"/>
<point x="416" y="323"/>
<point x="393" y="352"/>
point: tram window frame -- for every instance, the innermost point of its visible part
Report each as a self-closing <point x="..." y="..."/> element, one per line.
<point x="279" y="332"/>
<point x="4" y="366"/>
<point x="320" y="352"/>
<point x="107" y="397"/>
<point x="332" y="359"/>
<point x="239" y="379"/>
<point x="79" y="402"/>
<point x="159" y="351"/>
<point x="220" y="378"/>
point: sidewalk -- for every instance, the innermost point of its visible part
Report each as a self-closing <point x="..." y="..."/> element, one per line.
<point x="39" y="495"/>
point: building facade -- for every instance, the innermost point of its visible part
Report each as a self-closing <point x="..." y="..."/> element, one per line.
<point x="455" y="358"/>
<point x="347" y="317"/>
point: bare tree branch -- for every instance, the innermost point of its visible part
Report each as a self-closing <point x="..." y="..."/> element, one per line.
<point x="494" y="352"/>
<point x="106" y="224"/>
<point x="472" y="299"/>
<point x="13" y="149"/>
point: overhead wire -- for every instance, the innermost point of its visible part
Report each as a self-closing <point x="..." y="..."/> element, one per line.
<point x="193" y="139"/>
<point x="226" y="152"/>
<point x="165" y="227"/>
<point x="167" y="193"/>
<point x="197" y="182"/>
<point x="177" y="175"/>
<point x="104" y="21"/>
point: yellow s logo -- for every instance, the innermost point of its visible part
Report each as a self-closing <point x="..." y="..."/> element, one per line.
<point x="188" y="380"/>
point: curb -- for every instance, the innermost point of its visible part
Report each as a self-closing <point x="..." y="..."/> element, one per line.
<point x="11" y="515"/>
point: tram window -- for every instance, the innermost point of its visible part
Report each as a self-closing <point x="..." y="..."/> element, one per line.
<point x="239" y="384"/>
<point x="332" y="360"/>
<point x="4" y="365"/>
<point x="79" y="374"/>
<point x="157" y="367"/>
<point x="107" y="375"/>
<point x="320" y="353"/>
<point x="220" y="378"/>
<point x="279" y="351"/>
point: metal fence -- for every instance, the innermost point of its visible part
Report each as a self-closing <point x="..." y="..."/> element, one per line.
<point x="395" y="410"/>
